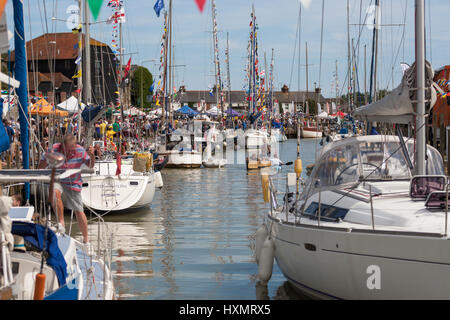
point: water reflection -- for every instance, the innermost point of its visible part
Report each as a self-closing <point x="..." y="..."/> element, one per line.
<point x="197" y="239"/>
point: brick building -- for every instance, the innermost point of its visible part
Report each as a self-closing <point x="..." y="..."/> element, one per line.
<point x="51" y="66"/>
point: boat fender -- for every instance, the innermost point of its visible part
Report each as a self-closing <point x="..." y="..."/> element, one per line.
<point x="158" y="180"/>
<point x="261" y="235"/>
<point x="265" y="187"/>
<point x="298" y="167"/>
<point x="265" y="265"/>
<point x="39" y="287"/>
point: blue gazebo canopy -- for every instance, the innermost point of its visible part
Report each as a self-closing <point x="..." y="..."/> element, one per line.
<point x="187" y="111"/>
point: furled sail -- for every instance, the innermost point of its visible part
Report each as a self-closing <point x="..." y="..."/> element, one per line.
<point x="397" y="106"/>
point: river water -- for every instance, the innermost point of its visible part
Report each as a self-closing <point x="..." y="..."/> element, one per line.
<point x="196" y="241"/>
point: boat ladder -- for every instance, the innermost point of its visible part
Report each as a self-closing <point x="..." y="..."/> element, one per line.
<point x="109" y="191"/>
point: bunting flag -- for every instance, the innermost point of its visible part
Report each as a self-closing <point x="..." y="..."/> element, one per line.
<point x="159" y="5"/>
<point x="77" y="29"/>
<point x="78" y="60"/>
<point x="127" y="69"/>
<point x="2" y="6"/>
<point x="95" y="6"/>
<point x="200" y="4"/>
<point x="77" y="75"/>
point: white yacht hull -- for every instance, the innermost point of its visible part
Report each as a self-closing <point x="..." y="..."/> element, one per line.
<point x="107" y="192"/>
<point x="310" y="133"/>
<point x="345" y="264"/>
<point x="215" y="163"/>
<point x="255" y="139"/>
<point x="184" y="159"/>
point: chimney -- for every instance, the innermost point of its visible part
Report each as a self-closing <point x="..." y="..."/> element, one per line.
<point x="285" y="89"/>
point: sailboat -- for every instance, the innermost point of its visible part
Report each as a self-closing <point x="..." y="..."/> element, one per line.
<point x="38" y="263"/>
<point x="180" y="147"/>
<point x="116" y="185"/>
<point x="371" y="223"/>
<point x="254" y="138"/>
<point x="214" y="138"/>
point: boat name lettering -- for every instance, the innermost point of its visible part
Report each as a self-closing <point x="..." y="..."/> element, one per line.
<point x="374" y="280"/>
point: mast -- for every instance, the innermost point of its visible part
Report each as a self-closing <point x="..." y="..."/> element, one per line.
<point x="253" y="63"/>
<point x="373" y="66"/>
<point x="88" y="54"/>
<point x="216" y="59"/>
<point x="170" y="66"/>
<point x="122" y="94"/>
<point x="354" y="73"/>
<point x="307" y="86"/>
<point x="365" y="74"/>
<point x="228" y="72"/>
<point x="420" y="64"/>
<point x="20" y="69"/>
<point x="164" y="91"/>
<point x="349" y="70"/>
<point x="80" y="72"/>
<point x="271" y="83"/>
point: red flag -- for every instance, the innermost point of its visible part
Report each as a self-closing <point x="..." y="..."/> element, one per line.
<point x="200" y="4"/>
<point x="127" y="69"/>
<point x="119" y="164"/>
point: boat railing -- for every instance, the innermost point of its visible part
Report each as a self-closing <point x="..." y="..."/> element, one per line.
<point x="276" y="208"/>
<point x="102" y="243"/>
<point x="7" y="274"/>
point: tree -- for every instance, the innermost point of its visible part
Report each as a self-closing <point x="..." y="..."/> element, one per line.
<point x="141" y="82"/>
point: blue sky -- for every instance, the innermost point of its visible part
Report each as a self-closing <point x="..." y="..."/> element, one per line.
<point x="277" y="20"/>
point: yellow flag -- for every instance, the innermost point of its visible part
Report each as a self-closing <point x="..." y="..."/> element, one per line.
<point x="77" y="75"/>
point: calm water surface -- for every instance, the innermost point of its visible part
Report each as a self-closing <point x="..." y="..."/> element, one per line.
<point x="196" y="241"/>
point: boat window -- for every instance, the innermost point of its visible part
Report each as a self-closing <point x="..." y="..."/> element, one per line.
<point x="421" y="187"/>
<point x="327" y="212"/>
<point x="437" y="200"/>
<point x="435" y="163"/>
<point x="383" y="160"/>
<point x="339" y="166"/>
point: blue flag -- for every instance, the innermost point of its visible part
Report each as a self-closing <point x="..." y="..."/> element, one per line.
<point x="159" y="5"/>
<point x="4" y="138"/>
<point x="152" y="87"/>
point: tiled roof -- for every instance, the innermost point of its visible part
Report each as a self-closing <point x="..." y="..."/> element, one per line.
<point x="240" y="96"/>
<point x="44" y="46"/>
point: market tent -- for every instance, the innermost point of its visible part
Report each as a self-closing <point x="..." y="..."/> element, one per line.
<point x="43" y="108"/>
<point x="70" y="105"/>
<point x="214" y="111"/>
<point x="133" y="111"/>
<point x="233" y="113"/>
<point x="323" y="115"/>
<point x="187" y="111"/>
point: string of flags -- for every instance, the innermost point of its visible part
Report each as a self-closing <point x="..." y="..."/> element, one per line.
<point x="159" y="88"/>
<point x="95" y="6"/>
<point x="444" y="85"/>
<point x="117" y="17"/>
<point x="159" y="6"/>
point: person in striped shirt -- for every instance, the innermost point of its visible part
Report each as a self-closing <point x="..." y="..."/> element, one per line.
<point x="68" y="191"/>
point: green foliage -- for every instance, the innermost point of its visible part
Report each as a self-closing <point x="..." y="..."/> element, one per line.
<point x="141" y="82"/>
